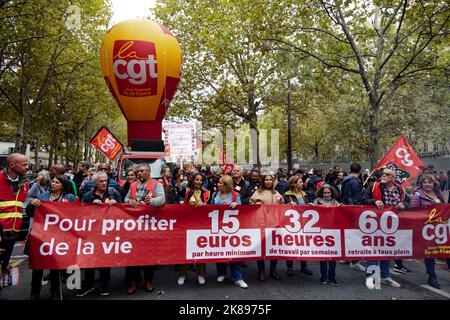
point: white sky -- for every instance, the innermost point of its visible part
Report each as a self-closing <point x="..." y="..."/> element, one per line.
<point x="130" y="9"/>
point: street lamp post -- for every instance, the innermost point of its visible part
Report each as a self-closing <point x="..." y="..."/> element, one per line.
<point x="289" y="142"/>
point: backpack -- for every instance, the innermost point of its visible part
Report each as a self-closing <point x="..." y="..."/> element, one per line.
<point x="311" y="188"/>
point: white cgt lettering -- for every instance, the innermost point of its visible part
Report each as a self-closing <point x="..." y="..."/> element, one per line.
<point x="425" y="233"/>
<point x="439" y="233"/>
<point x="403" y="154"/>
<point x="136" y="70"/>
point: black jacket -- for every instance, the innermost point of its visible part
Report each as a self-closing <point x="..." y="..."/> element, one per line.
<point x="252" y="187"/>
<point x="110" y="193"/>
<point x="331" y="178"/>
<point x="78" y="178"/>
<point x="241" y="187"/>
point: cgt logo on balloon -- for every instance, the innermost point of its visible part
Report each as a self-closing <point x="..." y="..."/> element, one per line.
<point x="225" y="239"/>
<point x="296" y="239"/>
<point x="378" y="236"/>
<point x="135" y="68"/>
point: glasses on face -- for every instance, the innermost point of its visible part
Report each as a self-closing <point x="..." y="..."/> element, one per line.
<point x="387" y="174"/>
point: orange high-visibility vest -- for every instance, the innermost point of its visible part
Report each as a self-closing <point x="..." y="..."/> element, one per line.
<point x="151" y="186"/>
<point x="11" y="204"/>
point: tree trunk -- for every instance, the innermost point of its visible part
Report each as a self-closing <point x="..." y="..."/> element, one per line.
<point x="316" y="151"/>
<point x="50" y="157"/>
<point x="374" y="148"/>
<point x="77" y="151"/>
<point x="37" y="146"/>
<point x="19" y="132"/>
<point x="87" y="154"/>
<point x="254" y="126"/>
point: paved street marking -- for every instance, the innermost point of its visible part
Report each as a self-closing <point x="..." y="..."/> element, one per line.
<point x="441" y="292"/>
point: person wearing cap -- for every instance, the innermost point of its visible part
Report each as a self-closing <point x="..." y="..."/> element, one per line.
<point x="385" y="193"/>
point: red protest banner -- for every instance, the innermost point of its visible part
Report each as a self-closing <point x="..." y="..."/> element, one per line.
<point x="402" y="159"/>
<point x="107" y="143"/>
<point x="88" y="235"/>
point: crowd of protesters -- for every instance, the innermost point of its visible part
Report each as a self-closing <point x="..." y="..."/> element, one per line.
<point x="196" y="186"/>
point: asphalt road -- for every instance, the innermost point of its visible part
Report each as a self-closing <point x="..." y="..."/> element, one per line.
<point x="298" y="287"/>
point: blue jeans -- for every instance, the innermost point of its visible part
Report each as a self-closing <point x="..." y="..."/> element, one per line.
<point x="236" y="270"/>
<point x="384" y="268"/>
<point x="328" y="270"/>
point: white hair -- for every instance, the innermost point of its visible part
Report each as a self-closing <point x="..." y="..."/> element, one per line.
<point x="99" y="174"/>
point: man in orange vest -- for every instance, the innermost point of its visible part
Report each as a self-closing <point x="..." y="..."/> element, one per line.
<point x="149" y="191"/>
<point x="13" y="192"/>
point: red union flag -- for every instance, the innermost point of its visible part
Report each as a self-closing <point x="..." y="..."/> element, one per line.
<point x="228" y="168"/>
<point x="135" y="68"/>
<point x="402" y="159"/>
<point x="107" y="143"/>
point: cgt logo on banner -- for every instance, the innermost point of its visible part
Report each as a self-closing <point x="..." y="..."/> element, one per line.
<point x="135" y="68"/>
<point x="403" y="160"/>
<point x="404" y="156"/>
<point x="107" y="143"/>
<point x="437" y="230"/>
<point x="90" y="235"/>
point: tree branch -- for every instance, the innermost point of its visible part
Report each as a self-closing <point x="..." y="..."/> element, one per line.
<point x="313" y="55"/>
<point x="395" y="13"/>
<point x="362" y="70"/>
<point x="397" y="42"/>
<point x="10" y="100"/>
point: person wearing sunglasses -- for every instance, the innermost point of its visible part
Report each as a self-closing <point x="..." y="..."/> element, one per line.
<point x="382" y="194"/>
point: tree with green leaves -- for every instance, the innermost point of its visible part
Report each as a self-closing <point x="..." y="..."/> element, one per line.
<point x="385" y="44"/>
<point x="51" y="88"/>
<point x="228" y="70"/>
